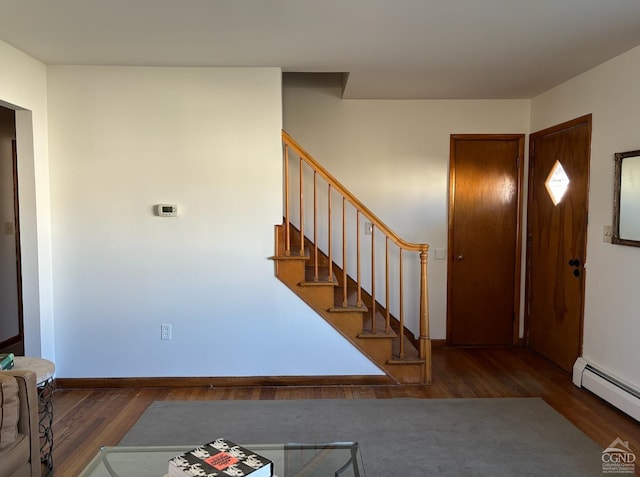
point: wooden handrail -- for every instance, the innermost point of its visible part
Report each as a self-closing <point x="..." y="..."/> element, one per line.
<point x="415" y="247"/>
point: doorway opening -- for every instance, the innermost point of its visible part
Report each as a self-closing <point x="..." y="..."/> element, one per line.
<point x="11" y="313"/>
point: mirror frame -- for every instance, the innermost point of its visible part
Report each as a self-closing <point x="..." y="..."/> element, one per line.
<point x="615" y="238"/>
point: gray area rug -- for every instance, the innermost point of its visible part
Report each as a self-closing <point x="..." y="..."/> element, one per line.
<point x="408" y="437"/>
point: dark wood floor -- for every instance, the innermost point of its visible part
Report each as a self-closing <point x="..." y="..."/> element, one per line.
<point x="85" y="419"/>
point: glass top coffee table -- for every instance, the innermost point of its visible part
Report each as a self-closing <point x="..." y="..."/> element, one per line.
<point x="336" y="459"/>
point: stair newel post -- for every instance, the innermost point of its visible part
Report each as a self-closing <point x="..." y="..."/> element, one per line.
<point x="315" y="226"/>
<point x="287" y="220"/>
<point x="330" y="246"/>
<point x="359" y="298"/>
<point x="344" y="253"/>
<point x="373" y="279"/>
<point x="425" y="341"/>
<point x="387" y="303"/>
<point x="401" y="273"/>
<point x="301" y="207"/>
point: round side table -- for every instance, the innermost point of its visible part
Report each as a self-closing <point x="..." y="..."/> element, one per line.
<point x="44" y="370"/>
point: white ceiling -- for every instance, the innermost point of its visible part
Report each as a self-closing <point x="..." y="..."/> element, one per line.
<point x="391" y="48"/>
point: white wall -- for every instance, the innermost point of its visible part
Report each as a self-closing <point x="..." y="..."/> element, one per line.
<point x="125" y="138"/>
<point x="394" y="156"/>
<point x="23" y="88"/>
<point x="611" y="93"/>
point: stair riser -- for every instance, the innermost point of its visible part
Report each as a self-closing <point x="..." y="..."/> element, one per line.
<point x="377" y="349"/>
<point x="290" y="271"/>
<point x="320" y="298"/>
<point x="349" y="324"/>
<point x="295" y="246"/>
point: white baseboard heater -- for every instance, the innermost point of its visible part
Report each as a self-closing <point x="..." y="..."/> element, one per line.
<point x="608" y="387"/>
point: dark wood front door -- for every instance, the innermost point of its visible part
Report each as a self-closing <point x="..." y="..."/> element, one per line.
<point x="556" y="240"/>
<point x="484" y="239"/>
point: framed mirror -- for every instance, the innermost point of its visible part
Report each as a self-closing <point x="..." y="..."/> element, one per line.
<point x="626" y="199"/>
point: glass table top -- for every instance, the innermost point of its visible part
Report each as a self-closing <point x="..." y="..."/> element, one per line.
<point x="336" y="459"/>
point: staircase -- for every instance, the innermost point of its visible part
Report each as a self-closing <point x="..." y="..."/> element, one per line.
<point x="353" y="270"/>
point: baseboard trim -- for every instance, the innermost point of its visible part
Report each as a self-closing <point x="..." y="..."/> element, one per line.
<point x="438" y="343"/>
<point x="248" y="381"/>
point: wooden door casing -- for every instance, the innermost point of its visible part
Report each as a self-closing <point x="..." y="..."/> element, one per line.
<point x="484" y="239"/>
<point x="11" y="311"/>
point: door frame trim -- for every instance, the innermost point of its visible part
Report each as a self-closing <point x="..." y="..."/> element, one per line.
<point x="586" y="119"/>
<point x="16" y="232"/>
<point x="19" y="338"/>
<point x="451" y="212"/>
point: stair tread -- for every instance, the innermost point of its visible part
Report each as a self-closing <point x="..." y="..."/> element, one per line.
<point x="378" y="334"/>
<point x="320" y="282"/>
<point x="348" y="309"/>
<point x="295" y="255"/>
<point x="405" y="360"/>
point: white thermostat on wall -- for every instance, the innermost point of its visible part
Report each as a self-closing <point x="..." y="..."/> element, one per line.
<point x="166" y="210"/>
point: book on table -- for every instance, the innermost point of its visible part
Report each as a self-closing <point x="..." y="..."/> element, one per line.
<point x="6" y="361"/>
<point x="221" y="458"/>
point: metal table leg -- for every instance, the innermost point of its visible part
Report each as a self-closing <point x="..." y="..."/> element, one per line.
<point x="45" y="413"/>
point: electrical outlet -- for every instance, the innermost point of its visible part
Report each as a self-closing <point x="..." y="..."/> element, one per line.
<point x="607" y="233"/>
<point x="165" y="332"/>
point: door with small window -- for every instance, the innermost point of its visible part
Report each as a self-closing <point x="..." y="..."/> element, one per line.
<point x="556" y="240"/>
